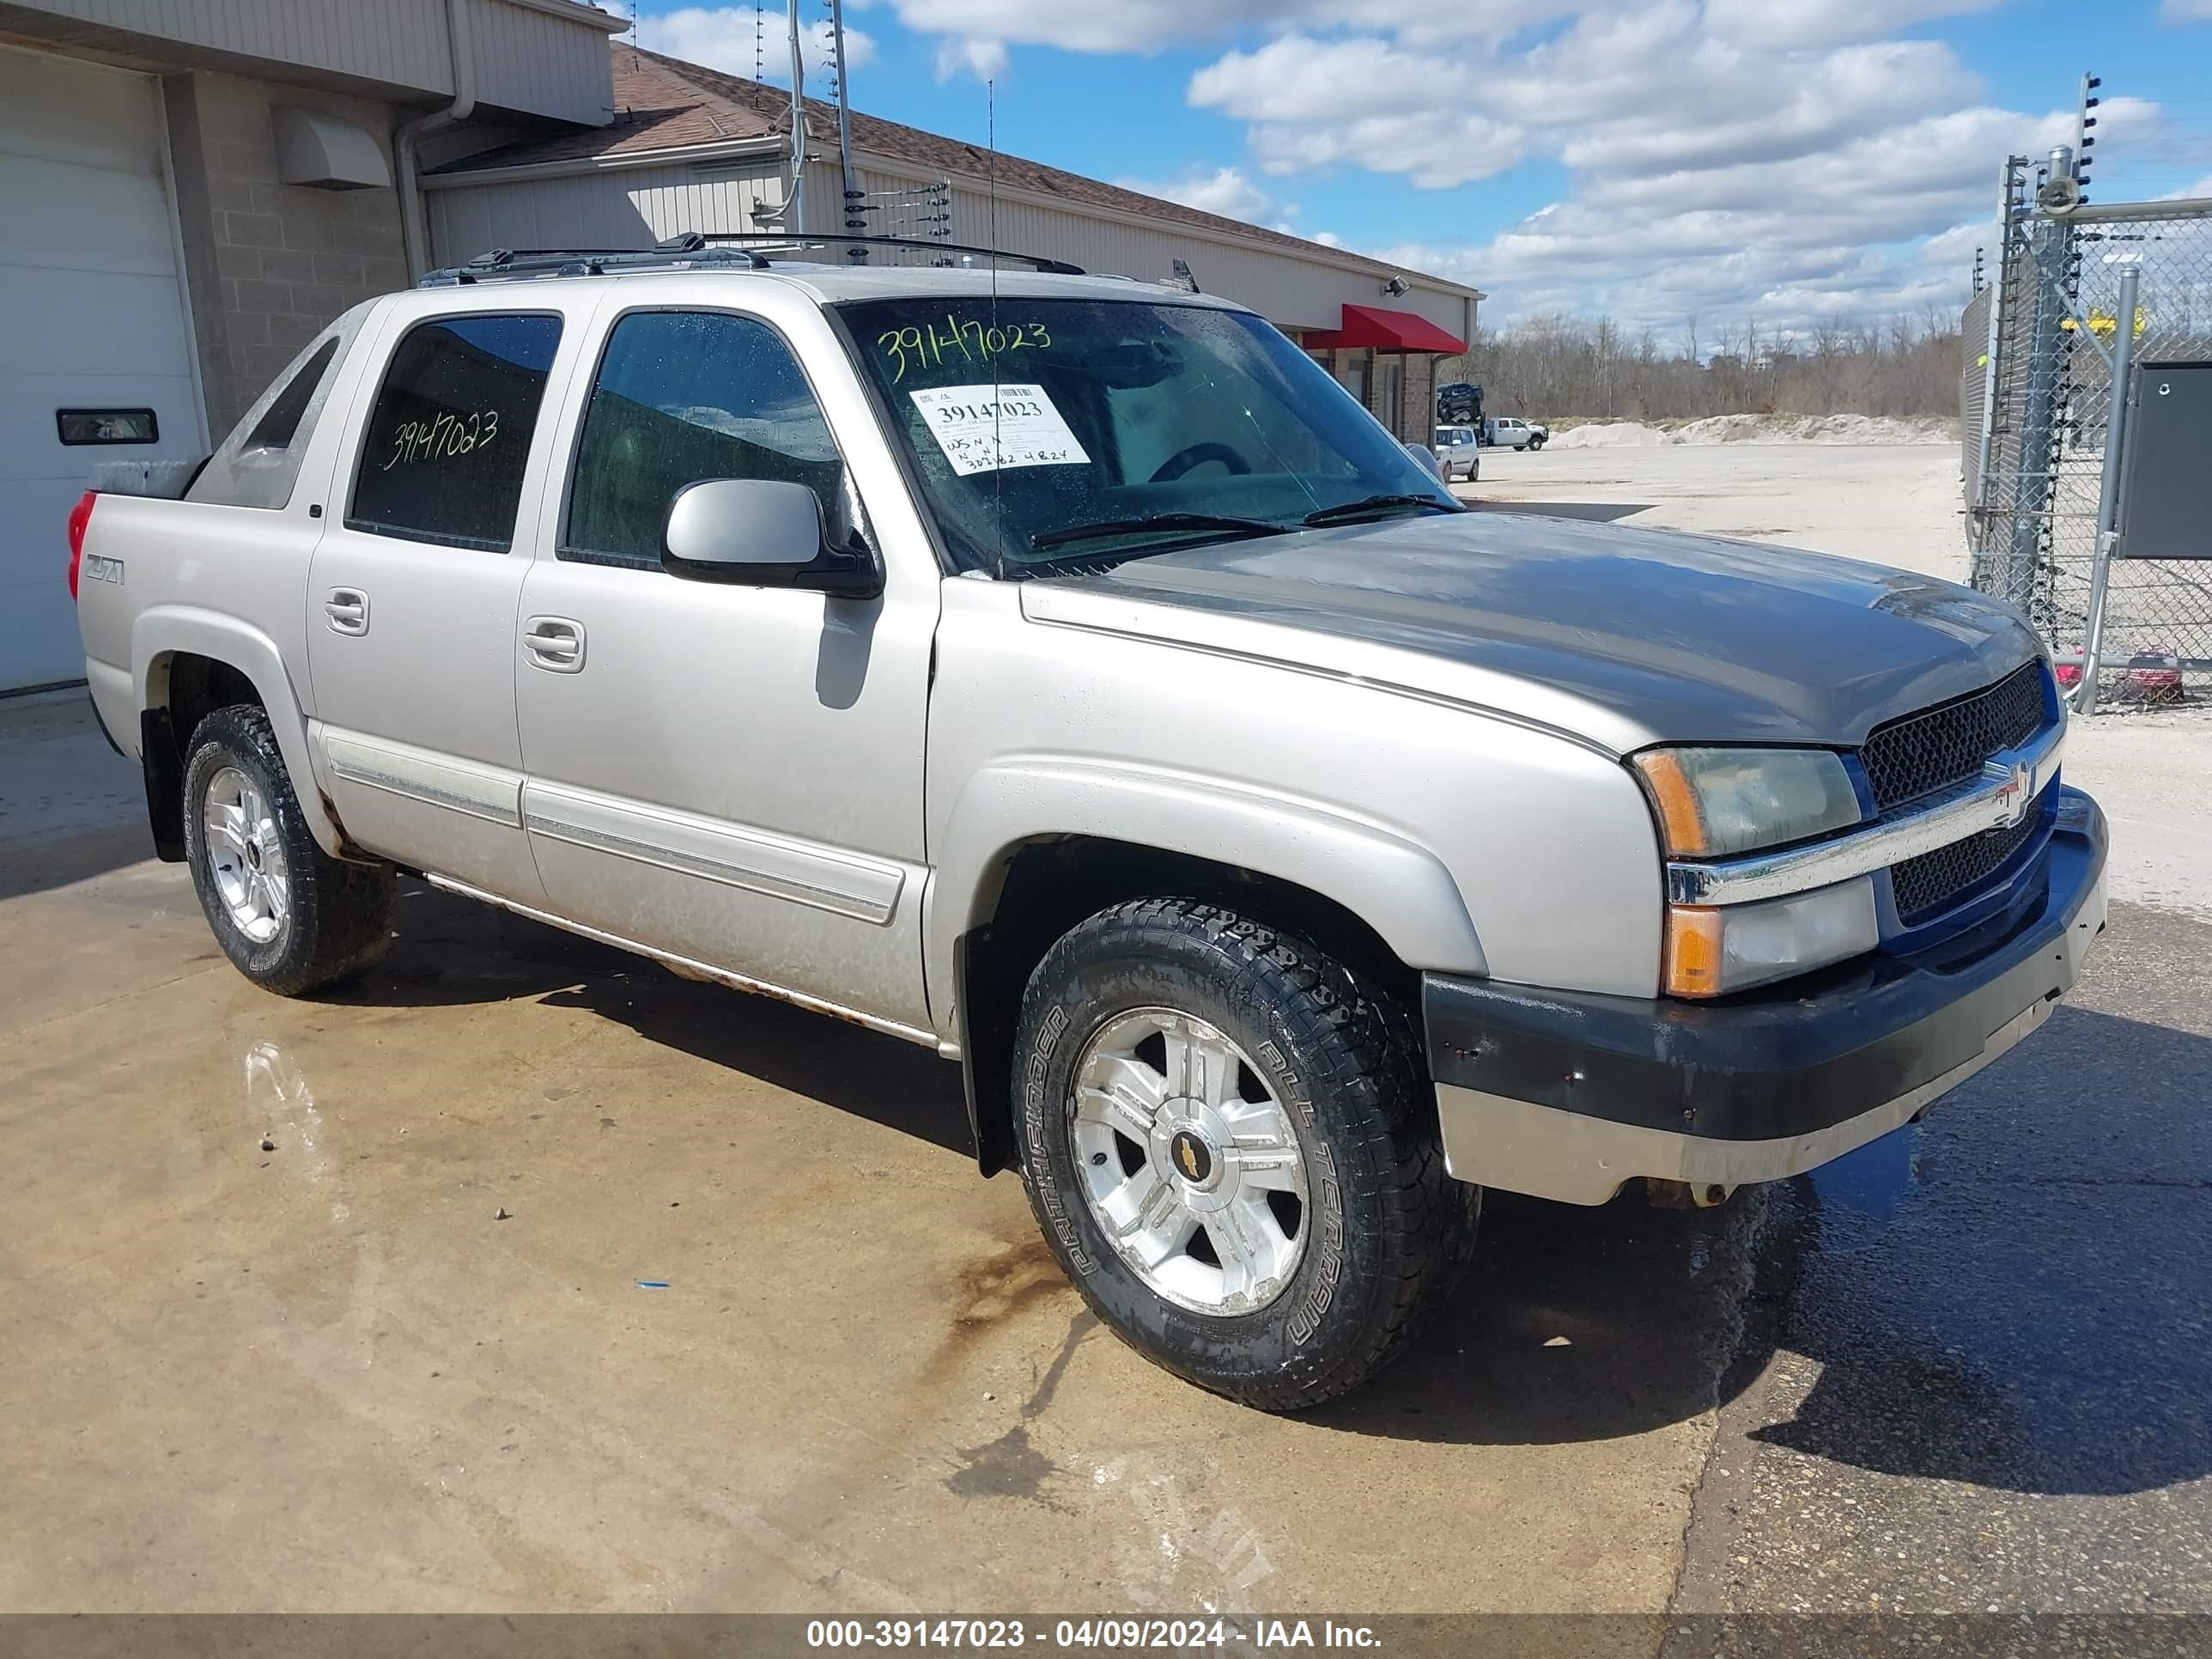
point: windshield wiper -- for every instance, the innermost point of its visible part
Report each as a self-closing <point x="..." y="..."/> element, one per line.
<point x="1155" y="523"/>
<point x="1369" y="506"/>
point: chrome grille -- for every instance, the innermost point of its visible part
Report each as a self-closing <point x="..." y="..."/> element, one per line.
<point x="1938" y="747"/>
<point x="1926" y="884"/>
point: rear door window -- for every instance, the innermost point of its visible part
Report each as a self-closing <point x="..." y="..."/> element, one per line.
<point x="449" y="437"/>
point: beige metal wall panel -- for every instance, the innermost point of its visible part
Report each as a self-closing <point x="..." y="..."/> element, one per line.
<point x="623" y="207"/>
<point x="1290" y="289"/>
<point x="398" y="43"/>
<point x="632" y="207"/>
<point x="533" y="60"/>
<point x="543" y="60"/>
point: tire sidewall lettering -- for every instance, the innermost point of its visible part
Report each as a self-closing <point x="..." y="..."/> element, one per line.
<point x="1325" y="1249"/>
<point x="1036" y="1109"/>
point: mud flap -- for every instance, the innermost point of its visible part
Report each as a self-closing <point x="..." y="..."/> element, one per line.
<point x="164" y="770"/>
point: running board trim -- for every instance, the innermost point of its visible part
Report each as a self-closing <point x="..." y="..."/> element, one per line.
<point x="690" y="969"/>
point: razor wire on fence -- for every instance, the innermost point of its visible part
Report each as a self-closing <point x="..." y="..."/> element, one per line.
<point x="2084" y="307"/>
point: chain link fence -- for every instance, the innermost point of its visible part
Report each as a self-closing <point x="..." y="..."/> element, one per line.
<point x="2037" y="395"/>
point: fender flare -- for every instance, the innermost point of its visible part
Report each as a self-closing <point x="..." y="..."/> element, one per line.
<point x="162" y="630"/>
<point x="1400" y="888"/>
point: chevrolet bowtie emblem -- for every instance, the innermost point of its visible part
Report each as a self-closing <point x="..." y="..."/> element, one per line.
<point x="2011" y="798"/>
<point x="1191" y="1156"/>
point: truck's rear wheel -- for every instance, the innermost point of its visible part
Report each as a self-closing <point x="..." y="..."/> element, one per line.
<point x="1228" y="1140"/>
<point x="291" y="918"/>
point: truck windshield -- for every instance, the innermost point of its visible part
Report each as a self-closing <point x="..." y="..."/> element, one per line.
<point x="1056" y="433"/>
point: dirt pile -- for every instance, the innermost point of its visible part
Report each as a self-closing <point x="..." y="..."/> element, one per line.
<point x="1764" y="430"/>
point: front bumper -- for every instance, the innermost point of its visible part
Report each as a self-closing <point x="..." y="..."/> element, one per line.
<point x="1565" y="1096"/>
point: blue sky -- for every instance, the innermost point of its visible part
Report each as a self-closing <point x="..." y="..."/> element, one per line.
<point x="1660" y="160"/>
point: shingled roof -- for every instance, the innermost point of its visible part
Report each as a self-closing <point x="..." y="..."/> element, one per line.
<point x="664" y="104"/>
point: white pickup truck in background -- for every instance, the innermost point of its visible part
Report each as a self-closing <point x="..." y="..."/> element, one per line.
<point x="1511" y="431"/>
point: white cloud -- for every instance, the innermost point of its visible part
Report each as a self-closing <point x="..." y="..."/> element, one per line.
<point x="1789" y="23"/>
<point x="984" y="59"/>
<point x="1096" y="26"/>
<point x="1733" y="157"/>
<point x="1794" y="158"/>
<point x="1229" y="191"/>
<point x="1149" y="25"/>
<point x="737" y="39"/>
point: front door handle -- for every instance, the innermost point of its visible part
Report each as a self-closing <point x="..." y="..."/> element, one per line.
<point x="347" y="608"/>
<point x="555" y="644"/>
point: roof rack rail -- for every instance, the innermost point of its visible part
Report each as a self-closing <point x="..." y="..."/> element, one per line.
<point x="689" y="251"/>
<point x="790" y="239"/>
<point x="694" y="250"/>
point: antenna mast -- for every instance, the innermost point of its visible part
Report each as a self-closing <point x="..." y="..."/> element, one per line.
<point x="850" y="184"/>
<point x="797" y="125"/>
<point x="998" y="454"/>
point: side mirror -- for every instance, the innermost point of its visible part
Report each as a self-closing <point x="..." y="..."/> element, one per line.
<point x="1427" y="458"/>
<point x="760" y="533"/>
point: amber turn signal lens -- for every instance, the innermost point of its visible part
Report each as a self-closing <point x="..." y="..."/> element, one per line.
<point x="1693" y="951"/>
<point x="1676" y="797"/>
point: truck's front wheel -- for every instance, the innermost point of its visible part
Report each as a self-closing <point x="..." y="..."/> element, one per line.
<point x="291" y="918"/>
<point x="1228" y="1140"/>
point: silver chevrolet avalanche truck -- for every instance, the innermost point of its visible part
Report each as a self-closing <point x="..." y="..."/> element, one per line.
<point x="1066" y="673"/>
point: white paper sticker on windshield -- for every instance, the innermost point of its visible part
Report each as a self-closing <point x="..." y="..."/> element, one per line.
<point x="1028" y="428"/>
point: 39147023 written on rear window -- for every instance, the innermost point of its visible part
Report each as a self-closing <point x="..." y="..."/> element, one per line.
<point x="450" y="432"/>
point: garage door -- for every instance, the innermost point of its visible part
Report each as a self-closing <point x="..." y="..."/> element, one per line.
<point x="91" y="319"/>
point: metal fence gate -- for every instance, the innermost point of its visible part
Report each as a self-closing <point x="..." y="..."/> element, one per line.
<point x="2083" y="304"/>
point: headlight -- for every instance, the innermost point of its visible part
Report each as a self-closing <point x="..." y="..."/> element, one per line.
<point x="1715" y="802"/>
<point x="1714" y="950"/>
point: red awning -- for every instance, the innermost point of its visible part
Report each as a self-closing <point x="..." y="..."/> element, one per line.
<point x="1385" y="330"/>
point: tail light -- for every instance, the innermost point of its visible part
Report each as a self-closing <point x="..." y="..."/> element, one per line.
<point x="79" y="518"/>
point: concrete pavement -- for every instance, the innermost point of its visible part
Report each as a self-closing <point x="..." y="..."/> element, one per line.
<point x="272" y="1345"/>
<point x="337" y="1304"/>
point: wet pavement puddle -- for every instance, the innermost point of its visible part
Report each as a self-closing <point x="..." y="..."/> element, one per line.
<point x="1861" y="1195"/>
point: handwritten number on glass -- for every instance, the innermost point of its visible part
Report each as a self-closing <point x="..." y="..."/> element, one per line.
<point x="932" y="347"/>
<point x="451" y="434"/>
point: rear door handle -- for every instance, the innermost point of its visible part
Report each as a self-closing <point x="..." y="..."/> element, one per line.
<point x="348" y="611"/>
<point x="555" y="644"/>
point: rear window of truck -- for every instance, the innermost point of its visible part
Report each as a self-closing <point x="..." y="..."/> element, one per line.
<point x="443" y="456"/>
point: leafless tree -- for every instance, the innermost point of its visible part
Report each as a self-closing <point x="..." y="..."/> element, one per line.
<point x="1560" y="366"/>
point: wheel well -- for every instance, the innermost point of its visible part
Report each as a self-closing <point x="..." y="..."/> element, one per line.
<point x="1048" y="885"/>
<point x="184" y="689"/>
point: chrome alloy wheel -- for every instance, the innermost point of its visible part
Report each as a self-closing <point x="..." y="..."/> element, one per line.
<point x="1191" y="1165"/>
<point x="246" y="855"/>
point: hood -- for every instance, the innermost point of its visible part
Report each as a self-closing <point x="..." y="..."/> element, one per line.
<point x="1619" y="636"/>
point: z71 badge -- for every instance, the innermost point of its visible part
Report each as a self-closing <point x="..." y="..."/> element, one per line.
<point x="97" y="568"/>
